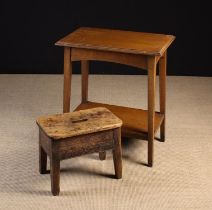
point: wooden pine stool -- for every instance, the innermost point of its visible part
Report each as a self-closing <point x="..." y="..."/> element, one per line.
<point x="63" y="136"/>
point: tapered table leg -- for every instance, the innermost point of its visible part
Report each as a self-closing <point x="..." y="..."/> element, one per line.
<point x="117" y="153"/>
<point x="84" y="72"/>
<point x="151" y="107"/>
<point x="67" y="79"/>
<point x="162" y="79"/>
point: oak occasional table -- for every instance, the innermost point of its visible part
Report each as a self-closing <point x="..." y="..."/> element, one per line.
<point x="138" y="49"/>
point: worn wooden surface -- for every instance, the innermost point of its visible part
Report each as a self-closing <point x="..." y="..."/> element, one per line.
<point x="45" y="143"/>
<point x="118" y="41"/>
<point x="83" y="144"/>
<point x="135" y="121"/>
<point x="78" y="123"/>
<point x="63" y="136"/>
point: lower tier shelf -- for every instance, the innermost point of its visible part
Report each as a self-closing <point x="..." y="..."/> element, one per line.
<point x="135" y="121"/>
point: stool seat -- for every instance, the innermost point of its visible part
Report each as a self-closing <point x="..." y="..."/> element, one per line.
<point x="67" y="125"/>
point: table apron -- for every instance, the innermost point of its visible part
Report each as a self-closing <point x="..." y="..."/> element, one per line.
<point x="135" y="60"/>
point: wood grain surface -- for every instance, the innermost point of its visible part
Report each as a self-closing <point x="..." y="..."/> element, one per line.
<point x="118" y="41"/>
<point x="66" y="125"/>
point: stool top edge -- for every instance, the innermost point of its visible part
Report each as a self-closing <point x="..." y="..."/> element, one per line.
<point x="60" y="126"/>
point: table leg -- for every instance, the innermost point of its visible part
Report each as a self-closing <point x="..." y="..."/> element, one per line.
<point x="117" y="153"/>
<point x="162" y="79"/>
<point x="151" y="107"/>
<point x="84" y="72"/>
<point x="67" y="79"/>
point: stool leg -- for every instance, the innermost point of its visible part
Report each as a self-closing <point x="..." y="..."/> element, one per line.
<point x="102" y="155"/>
<point x="42" y="157"/>
<point x="162" y="79"/>
<point x="117" y="153"/>
<point x="55" y="176"/>
<point x="42" y="160"/>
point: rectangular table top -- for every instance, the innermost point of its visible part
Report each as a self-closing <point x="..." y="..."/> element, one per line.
<point x="77" y="123"/>
<point x="118" y="41"/>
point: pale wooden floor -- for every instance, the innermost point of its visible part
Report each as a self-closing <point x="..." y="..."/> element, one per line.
<point x="180" y="179"/>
